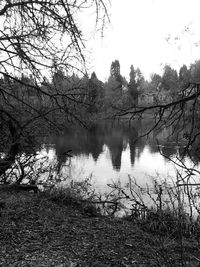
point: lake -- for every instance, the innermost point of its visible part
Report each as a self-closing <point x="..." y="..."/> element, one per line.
<point x="113" y="151"/>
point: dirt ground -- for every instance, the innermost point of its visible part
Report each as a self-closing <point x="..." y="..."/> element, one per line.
<point x="35" y="231"/>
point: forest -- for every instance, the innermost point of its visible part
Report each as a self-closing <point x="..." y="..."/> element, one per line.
<point x="93" y="96"/>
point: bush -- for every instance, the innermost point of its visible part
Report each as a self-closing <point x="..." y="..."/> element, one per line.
<point x="77" y="194"/>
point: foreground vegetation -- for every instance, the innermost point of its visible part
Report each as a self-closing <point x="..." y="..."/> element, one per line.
<point x="41" y="230"/>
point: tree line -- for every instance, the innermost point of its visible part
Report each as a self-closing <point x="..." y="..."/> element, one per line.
<point x="95" y="96"/>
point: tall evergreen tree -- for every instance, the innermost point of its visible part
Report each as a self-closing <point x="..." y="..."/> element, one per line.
<point x="95" y="93"/>
<point x="155" y="82"/>
<point x="139" y="80"/>
<point x="115" y="72"/>
<point x="184" y="76"/>
<point x="170" y="79"/>
<point x="133" y="85"/>
<point x="115" y="69"/>
<point x="195" y="71"/>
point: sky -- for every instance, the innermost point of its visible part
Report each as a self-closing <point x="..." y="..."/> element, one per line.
<point x="147" y="34"/>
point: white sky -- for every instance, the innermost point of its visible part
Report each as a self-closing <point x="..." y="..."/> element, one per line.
<point x="138" y="36"/>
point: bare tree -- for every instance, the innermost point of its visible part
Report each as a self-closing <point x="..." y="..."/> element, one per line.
<point x="39" y="39"/>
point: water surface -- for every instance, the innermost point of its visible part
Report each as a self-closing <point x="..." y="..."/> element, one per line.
<point x="111" y="152"/>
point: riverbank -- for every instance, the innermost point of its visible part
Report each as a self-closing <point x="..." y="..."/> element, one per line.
<point x="35" y="231"/>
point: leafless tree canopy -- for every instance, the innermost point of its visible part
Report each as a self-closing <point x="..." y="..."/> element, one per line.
<point x="39" y="39"/>
<point x="35" y="33"/>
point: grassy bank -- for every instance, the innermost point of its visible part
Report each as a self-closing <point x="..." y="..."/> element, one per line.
<point x="36" y="231"/>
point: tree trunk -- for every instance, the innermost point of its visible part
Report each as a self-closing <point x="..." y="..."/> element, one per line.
<point x="9" y="159"/>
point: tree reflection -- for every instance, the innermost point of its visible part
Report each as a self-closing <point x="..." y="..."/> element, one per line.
<point x="114" y="141"/>
<point x="80" y="142"/>
<point x="169" y="151"/>
<point x="115" y="137"/>
<point x="95" y="142"/>
<point x="133" y="139"/>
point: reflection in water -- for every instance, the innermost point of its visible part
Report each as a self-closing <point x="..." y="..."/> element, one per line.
<point x="111" y="151"/>
<point x="114" y="141"/>
<point x="83" y="142"/>
<point x="169" y="151"/>
<point x="133" y="135"/>
<point x="117" y="138"/>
